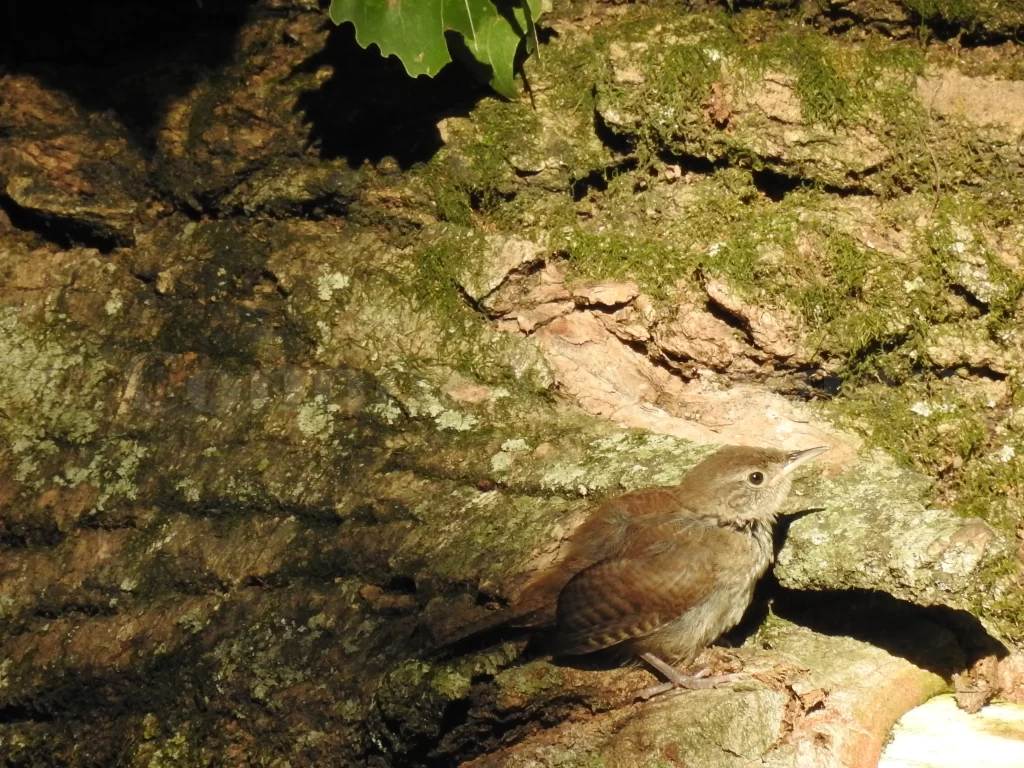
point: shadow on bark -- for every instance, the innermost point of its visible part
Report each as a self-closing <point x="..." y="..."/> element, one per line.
<point x="130" y="57"/>
<point x="872" y="617"/>
<point x="370" y="108"/>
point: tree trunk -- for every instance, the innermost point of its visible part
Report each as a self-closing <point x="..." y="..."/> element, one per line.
<point x="305" y="364"/>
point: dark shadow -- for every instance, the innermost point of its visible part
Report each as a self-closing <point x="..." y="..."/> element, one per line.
<point x="919" y="634"/>
<point x="786" y="520"/>
<point x="776" y="186"/>
<point x="64" y="231"/>
<point x="620" y="143"/>
<point x="122" y="55"/>
<point x="598" y="180"/>
<point x="906" y="630"/>
<point x="690" y="163"/>
<point x="370" y="108"/>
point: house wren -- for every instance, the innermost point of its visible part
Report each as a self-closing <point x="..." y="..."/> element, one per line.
<point x="661" y="573"/>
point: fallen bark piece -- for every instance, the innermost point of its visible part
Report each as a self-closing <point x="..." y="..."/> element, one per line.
<point x="501" y="256"/>
<point x="605" y="293"/>
<point x="695" y="334"/>
<point x="776" y="331"/>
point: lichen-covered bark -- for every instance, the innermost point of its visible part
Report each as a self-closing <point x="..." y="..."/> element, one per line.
<point x="273" y="419"/>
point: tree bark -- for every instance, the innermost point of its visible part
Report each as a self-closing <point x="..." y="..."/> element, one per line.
<point x="304" y="364"/>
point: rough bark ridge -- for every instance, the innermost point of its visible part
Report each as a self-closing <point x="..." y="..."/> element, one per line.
<point x="303" y="363"/>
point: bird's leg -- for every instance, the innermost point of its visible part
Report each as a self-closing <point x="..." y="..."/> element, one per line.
<point x="698" y="682"/>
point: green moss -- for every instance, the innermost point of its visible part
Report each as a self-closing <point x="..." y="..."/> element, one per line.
<point x="935" y="427"/>
<point x="664" y="109"/>
<point x="860" y="309"/>
<point x="453" y="198"/>
<point x="265" y="658"/>
<point x="653" y="263"/>
<point x="827" y="93"/>
<point x="530" y="680"/>
<point x="753" y="245"/>
<point x="991" y="488"/>
<point x="771" y="633"/>
<point x="410" y="702"/>
<point x="855" y="301"/>
<point x="965" y="259"/>
<point x="172" y="753"/>
<point x="437" y="266"/>
<point x="835" y="83"/>
<point x="722" y="232"/>
<point x="476" y="172"/>
<point x="464" y="339"/>
<point x="1001" y="601"/>
<point x="843" y="279"/>
<point x="670" y="67"/>
<point x="966" y="15"/>
<point x="922" y="424"/>
<point x="840" y="84"/>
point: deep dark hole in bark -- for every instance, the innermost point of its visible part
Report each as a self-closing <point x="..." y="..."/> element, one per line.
<point x="870" y="616"/>
<point x="403" y="585"/>
<point x="381" y="112"/>
<point x="776" y="185"/>
<point x="22" y="713"/>
<point x="26" y="534"/>
<point x="622" y="143"/>
<point x="938" y="638"/>
<point x="598" y="180"/>
<point x="692" y="163"/>
<point x="976" y="303"/>
<point x="975" y="371"/>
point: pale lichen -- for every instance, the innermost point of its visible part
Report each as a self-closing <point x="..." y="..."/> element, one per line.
<point x="316" y="418"/>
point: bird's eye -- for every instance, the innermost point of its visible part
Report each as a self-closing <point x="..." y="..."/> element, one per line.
<point x="755" y="478"/>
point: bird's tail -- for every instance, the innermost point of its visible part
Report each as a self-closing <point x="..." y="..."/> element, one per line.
<point x="491" y="625"/>
<point x="534" y="608"/>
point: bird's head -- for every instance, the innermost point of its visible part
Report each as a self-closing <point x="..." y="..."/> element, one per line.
<point x="741" y="485"/>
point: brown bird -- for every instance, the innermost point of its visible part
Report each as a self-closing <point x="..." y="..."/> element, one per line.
<point x="661" y="573"/>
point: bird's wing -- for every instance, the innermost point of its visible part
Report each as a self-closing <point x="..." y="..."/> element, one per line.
<point x="611" y="531"/>
<point x="607" y="528"/>
<point x="641" y="521"/>
<point x="631" y="596"/>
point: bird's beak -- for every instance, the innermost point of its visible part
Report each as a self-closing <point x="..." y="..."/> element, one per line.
<point x="800" y="457"/>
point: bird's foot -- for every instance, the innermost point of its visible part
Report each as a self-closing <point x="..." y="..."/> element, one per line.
<point x="679" y="682"/>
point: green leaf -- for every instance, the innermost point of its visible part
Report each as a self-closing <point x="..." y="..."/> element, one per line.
<point x="496" y="43"/>
<point x="412" y="30"/>
<point x="532" y="43"/>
